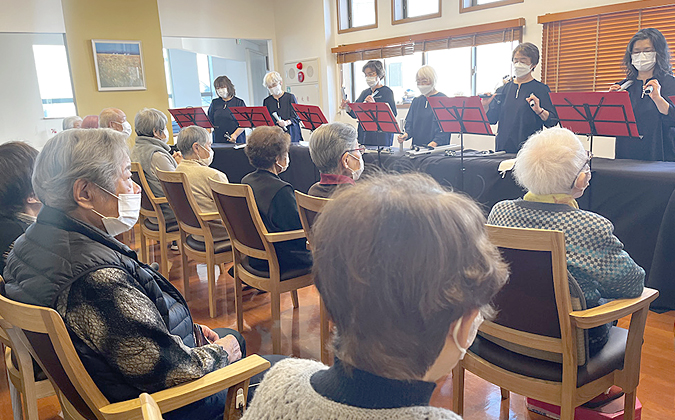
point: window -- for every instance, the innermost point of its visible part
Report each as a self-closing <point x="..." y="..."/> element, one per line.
<point x="53" y="74"/>
<point x="205" y="78"/>
<point x="412" y="10"/>
<point x="399" y="76"/>
<point x="493" y="64"/>
<point x="169" y="82"/>
<point x="453" y="68"/>
<point x="471" y="5"/>
<point x="583" y="50"/>
<point x="354" y="15"/>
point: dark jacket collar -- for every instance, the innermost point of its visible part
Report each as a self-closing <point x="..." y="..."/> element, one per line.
<point x="334" y="179"/>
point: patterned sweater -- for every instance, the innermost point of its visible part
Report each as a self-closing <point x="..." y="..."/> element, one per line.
<point x="595" y="257"/>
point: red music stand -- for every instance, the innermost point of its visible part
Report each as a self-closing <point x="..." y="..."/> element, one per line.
<point x="460" y="114"/>
<point x="596" y="113"/>
<point x="186" y="117"/>
<point x="252" y="116"/>
<point x="377" y="117"/>
<point x="311" y="116"/>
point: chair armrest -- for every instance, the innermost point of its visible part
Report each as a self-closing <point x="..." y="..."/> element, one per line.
<point x="161" y="200"/>
<point x="285" y="236"/>
<point x="210" y="216"/>
<point x="182" y="395"/>
<point x="613" y="310"/>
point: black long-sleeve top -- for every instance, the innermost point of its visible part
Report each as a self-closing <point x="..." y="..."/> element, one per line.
<point x="222" y="119"/>
<point x="371" y="138"/>
<point x="284" y="109"/>
<point x="421" y="124"/>
<point x="517" y="120"/>
<point x="657" y="130"/>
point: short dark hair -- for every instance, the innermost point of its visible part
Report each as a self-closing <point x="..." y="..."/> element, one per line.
<point x="265" y="145"/>
<point x="386" y="309"/>
<point x="660" y="44"/>
<point x="17" y="160"/>
<point x="529" y="50"/>
<point x="375" y="66"/>
<point x="224" y="81"/>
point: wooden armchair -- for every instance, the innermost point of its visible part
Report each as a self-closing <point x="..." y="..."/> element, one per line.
<point x="309" y="207"/>
<point x="533" y="346"/>
<point x="161" y="231"/>
<point x="250" y="239"/>
<point x="44" y="334"/>
<point x="192" y="223"/>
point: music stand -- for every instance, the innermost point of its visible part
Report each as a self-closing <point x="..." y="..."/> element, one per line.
<point x="186" y="117"/>
<point x="460" y="114"/>
<point x="252" y="116"/>
<point x="376" y="117"/>
<point x="311" y="116"/>
<point x="596" y="114"/>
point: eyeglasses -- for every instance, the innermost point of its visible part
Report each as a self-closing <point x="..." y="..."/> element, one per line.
<point x="361" y="149"/>
<point x="588" y="163"/>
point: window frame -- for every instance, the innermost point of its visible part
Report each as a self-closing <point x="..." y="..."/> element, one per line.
<point x="350" y="28"/>
<point x="472" y="7"/>
<point x="406" y="19"/>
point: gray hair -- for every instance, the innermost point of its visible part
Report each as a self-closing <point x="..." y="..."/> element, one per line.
<point x="69" y="122"/>
<point x="549" y="161"/>
<point x="149" y="120"/>
<point x="427" y="72"/>
<point x="328" y="143"/>
<point x="271" y="78"/>
<point x="108" y="116"/>
<point x="191" y="135"/>
<point x="95" y="155"/>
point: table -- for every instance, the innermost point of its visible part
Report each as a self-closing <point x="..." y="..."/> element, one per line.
<point x="637" y="196"/>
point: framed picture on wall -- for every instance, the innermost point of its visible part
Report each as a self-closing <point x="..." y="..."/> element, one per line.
<point x="119" y="65"/>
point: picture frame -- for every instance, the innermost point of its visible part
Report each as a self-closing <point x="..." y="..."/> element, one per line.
<point x="119" y="65"/>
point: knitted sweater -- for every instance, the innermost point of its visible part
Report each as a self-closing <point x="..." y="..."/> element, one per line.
<point x="286" y="392"/>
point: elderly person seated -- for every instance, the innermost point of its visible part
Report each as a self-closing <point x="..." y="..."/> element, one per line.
<point x="337" y="154"/>
<point x="90" y="121"/>
<point x="267" y="151"/>
<point x="401" y="323"/>
<point x="152" y="152"/>
<point x="116" y="119"/>
<point x="554" y="168"/>
<point x="130" y="326"/>
<point x="18" y="204"/>
<point x="72" y="122"/>
<point x="194" y="143"/>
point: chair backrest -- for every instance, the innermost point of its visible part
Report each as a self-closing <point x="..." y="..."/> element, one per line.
<point x="534" y="306"/>
<point x="138" y="176"/>
<point x="239" y="211"/>
<point x="149" y="407"/>
<point x="179" y="194"/>
<point x="309" y="207"/>
<point x="44" y="334"/>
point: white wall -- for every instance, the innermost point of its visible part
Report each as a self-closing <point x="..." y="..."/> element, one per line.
<point x="39" y="16"/>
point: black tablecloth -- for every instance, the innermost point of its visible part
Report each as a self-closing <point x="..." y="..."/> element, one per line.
<point x="638" y="197"/>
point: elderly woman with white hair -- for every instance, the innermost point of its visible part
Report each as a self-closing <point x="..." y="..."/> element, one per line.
<point x="152" y="152"/>
<point x="130" y="326"/>
<point x="420" y="123"/>
<point x="554" y="168"/>
<point x="72" y="122"/>
<point x="335" y="151"/>
<point x="194" y="143"/>
<point x="279" y="106"/>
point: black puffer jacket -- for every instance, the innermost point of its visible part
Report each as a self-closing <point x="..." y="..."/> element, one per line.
<point x="56" y="252"/>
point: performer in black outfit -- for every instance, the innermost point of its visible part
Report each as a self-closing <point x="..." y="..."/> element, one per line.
<point x="647" y="64"/>
<point x="420" y="123"/>
<point x="522" y="106"/>
<point x="376" y="92"/>
<point x="220" y="115"/>
<point x="280" y="102"/>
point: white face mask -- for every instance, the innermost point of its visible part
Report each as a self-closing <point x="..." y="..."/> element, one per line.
<point x="644" y="61"/>
<point x="126" y="128"/>
<point x="477" y="321"/>
<point x="275" y="91"/>
<point x="521" y="69"/>
<point x="356" y="174"/>
<point x="165" y="132"/>
<point x="372" y="81"/>
<point x="208" y="160"/>
<point x="128" y="208"/>
<point x="222" y="92"/>
<point x="283" y="168"/>
<point x="425" y="89"/>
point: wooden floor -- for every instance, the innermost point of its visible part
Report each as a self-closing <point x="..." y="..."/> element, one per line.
<point x="300" y="338"/>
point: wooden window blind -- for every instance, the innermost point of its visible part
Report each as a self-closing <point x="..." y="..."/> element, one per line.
<point x="584" y="51"/>
<point x="505" y="31"/>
